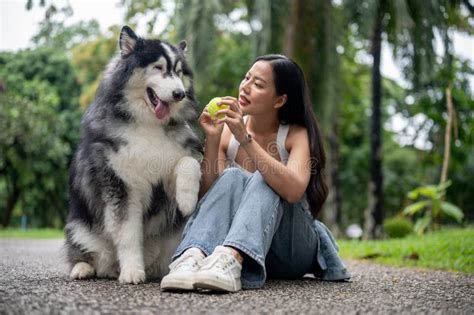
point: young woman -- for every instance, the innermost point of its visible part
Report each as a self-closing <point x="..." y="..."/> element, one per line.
<point x="261" y="184"/>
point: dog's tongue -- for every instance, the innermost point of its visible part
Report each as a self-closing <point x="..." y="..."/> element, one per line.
<point x="161" y="110"/>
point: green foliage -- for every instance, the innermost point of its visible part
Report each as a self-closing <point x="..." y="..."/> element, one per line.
<point x="410" y="28"/>
<point x="143" y="11"/>
<point x="401" y="165"/>
<point x="397" y="227"/>
<point x="58" y="35"/>
<point x="55" y="31"/>
<point x="431" y="207"/>
<point x="232" y="57"/>
<point x="446" y="249"/>
<point x="58" y="78"/>
<point x="353" y="131"/>
<point x="195" y="24"/>
<point x="40" y="121"/>
<point x="90" y="59"/>
<point x="428" y="106"/>
<point x="401" y="173"/>
<point x="41" y="64"/>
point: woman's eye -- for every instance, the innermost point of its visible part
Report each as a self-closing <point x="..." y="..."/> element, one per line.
<point x="258" y="85"/>
<point x="159" y="67"/>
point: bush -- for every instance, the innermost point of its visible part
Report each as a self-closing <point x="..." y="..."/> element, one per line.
<point x="397" y="227"/>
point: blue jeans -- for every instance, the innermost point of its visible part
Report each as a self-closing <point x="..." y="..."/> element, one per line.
<point x="240" y="210"/>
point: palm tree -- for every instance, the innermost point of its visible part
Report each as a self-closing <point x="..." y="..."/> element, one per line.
<point x="409" y="26"/>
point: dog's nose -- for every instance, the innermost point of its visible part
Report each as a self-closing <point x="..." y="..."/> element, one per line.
<point x="178" y="94"/>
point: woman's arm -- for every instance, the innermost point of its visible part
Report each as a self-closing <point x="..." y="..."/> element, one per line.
<point x="289" y="181"/>
<point x="213" y="162"/>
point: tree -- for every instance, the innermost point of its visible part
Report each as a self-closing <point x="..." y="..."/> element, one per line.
<point x="409" y="26"/>
<point x="144" y="11"/>
<point x="401" y="166"/>
<point x="40" y="116"/>
<point x="90" y="59"/>
<point x="195" y="23"/>
<point x="427" y="112"/>
<point x="53" y="31"/>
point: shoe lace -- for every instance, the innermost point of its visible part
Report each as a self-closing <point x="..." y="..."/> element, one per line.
<point x="221" y="261"/>
<point x="188" y="261"/>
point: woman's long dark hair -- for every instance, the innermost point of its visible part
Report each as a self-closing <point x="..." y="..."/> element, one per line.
<point x="298" y="109"/>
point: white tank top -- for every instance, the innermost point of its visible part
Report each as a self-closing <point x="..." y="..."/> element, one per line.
<point x="233" y="147"/>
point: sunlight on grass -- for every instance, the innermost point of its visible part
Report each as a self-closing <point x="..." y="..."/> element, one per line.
<point x="31" y="233"/>
<point x="447" y="249"/>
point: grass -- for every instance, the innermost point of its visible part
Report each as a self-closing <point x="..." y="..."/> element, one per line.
<point x="31" y="233"/>
<point x="447" y="249"/>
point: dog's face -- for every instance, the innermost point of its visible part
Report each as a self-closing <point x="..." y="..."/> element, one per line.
<point x="160" y="85"/>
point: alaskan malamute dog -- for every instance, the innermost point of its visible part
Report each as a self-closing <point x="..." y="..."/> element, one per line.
<point x="135" y="175"/>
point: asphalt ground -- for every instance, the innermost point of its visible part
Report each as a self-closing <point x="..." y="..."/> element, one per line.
<point x="33" y="280"/>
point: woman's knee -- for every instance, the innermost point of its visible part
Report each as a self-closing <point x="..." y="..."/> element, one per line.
<point x="258" y="182"/>
<point x="232" y="175"/>
<point x="230" y="180"/>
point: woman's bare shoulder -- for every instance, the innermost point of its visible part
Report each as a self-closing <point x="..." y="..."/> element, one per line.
<point x="296" y="135"/>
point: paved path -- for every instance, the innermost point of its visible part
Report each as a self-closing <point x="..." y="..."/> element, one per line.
<point x="33" y="281"/>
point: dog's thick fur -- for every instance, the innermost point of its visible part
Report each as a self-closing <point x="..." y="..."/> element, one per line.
<point x="135" y="175"/>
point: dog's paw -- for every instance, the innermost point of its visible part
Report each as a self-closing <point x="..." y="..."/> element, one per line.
<point x="186" y="202"/>
<point x="188" y="174"/>
<point x="132" y="276"/>
<point x="82" y="270"/>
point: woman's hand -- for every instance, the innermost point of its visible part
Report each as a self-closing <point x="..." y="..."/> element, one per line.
<point x="211" y="127"/>
<point x="233" y="117"/>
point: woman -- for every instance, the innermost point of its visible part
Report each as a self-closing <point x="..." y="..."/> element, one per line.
<point x="259" y="175"/>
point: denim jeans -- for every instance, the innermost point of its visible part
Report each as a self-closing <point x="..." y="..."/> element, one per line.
<point x="240" y="210"/>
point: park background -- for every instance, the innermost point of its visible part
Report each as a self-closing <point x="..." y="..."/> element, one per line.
<point x="391" y="82"/>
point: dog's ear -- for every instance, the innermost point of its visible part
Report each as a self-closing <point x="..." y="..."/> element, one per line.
<point x="127" y="41"/>
<point x="183" y="45"/>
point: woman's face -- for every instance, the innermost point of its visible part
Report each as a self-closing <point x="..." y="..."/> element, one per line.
<point x="257" y="94"/>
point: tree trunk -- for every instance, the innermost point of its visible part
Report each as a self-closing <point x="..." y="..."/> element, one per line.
<point x="289" y="40"/>
<point x="262" y="38"/>
<point x="334" y="217"/>
<point x="447" y="135"/>
<point x="329" y="96"/>
<point x="374" y="211"/>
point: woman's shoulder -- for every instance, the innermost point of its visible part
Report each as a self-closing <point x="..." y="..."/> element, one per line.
<point x="296" y="134"/>
<point x="297" y="130"/>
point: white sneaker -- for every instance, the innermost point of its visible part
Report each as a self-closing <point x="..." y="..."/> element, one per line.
<point x="182" y="271"/>
<point x="219" y="271"/>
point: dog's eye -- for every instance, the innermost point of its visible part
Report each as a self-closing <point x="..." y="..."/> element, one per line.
<point x="179" y="73"/>
<point x="159" y="67"/>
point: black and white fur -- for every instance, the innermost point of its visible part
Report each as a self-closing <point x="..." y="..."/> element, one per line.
<point x="135" y="175"/>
